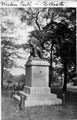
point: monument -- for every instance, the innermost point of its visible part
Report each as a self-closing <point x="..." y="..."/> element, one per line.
<point x="36" y="90"/>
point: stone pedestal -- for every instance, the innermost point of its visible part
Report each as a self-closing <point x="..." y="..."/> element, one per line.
<point x="36" y="89"/>
<point x="37" y="73"/>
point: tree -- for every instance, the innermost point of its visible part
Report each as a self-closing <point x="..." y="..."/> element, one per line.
<point x="8" y="45"/>
<point x="66" y="48"/>
<point x="57" y="27"/>
<point x="60" y="32"/>
<point x="7" y="48"/>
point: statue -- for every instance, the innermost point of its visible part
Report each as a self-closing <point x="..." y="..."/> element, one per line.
<point x="36" y="52"/>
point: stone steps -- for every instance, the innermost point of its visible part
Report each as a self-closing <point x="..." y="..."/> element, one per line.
<point x="36" y="100"/>
<point x="47" y="102"/>
<point x="37" y="96"/>
<point x="29" y="103"/>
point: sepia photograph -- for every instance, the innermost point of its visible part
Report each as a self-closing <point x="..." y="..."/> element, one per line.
<point x="38" y="63"/>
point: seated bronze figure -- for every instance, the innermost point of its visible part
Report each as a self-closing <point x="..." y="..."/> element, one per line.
<point x="36" y="51"/>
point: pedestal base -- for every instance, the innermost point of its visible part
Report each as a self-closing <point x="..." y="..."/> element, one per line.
<point x="36" y="91"/>
<point x="42" y="102"/>
<point x="38" y="96"/>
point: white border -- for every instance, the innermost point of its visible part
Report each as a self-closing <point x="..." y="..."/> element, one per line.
<point x="36" y="3"/>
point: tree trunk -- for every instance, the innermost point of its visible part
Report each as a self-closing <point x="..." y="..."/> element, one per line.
<point x="65" y="77"/>
<point x="2" y="70"/>
<point x="50" y="72"/>
<point x="50" y="68"/>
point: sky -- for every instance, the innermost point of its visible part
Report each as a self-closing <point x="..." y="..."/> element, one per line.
<point x="21" y="33"/>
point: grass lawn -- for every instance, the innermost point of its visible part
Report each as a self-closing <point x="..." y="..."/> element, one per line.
<point x="11" y="111"/>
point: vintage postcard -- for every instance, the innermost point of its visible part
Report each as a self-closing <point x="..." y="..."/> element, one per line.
<point x="38" y="65"/>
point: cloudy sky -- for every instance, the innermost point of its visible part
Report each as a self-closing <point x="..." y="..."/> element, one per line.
<point x="21" y="33"/>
